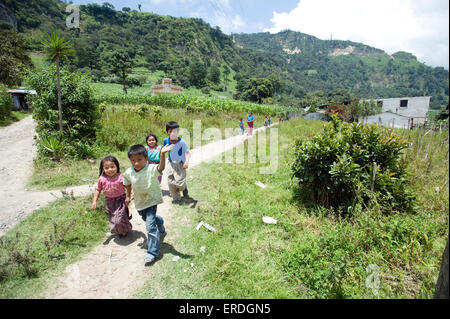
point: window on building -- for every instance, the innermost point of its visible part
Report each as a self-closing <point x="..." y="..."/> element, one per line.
<point x="403" y="103"/>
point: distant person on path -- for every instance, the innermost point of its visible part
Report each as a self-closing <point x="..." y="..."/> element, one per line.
<point x="141" y="178"/>
<point x="153" y="150"/>
<point x="288" y="116"/>
<point x="111" y="183"/>
<point x="280" y="119"/>
<point x="241" y="126"/>
<point x="250" y="121"/>
<point x="179" y="158"/>
<point x="265" y="121"/>
<point x="270" y="120"/>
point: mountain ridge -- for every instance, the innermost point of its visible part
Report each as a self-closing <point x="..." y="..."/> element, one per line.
<point x="303" y="62"/>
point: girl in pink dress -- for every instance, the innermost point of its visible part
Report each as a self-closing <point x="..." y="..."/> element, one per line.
<point x="111" y="183"/>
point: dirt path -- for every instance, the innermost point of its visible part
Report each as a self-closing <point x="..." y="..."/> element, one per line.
<point x="17" y="150"/>
<point x="115" y="268"/>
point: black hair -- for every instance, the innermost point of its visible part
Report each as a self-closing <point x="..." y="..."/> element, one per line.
<point x="137" y="150"/>
<point x="150" y="135"/>
<point x="170" y="125"/>
<point x="109" y="158"/>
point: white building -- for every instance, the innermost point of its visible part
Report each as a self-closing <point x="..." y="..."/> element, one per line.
<point x="405" y="112"/>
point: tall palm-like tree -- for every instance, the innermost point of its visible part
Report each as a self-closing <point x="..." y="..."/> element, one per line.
<point x="57" y="48"/>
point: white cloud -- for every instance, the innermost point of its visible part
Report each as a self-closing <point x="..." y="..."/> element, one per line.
<point x="218" y="13"/>
<point x="226" y="22"/>
<point x="416" y="26"/>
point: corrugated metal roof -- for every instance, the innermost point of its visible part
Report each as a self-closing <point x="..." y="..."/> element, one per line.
<point x="22" y="91"/>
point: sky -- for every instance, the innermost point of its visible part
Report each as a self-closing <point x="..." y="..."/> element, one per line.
<point x="420" y="27"/>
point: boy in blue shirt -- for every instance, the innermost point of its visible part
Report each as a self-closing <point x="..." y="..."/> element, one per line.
<point x="178" y="162"/>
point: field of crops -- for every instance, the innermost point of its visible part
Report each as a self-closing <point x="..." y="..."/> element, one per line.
<point x="194" y="103"/>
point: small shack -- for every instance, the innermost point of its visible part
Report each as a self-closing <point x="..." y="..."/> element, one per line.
<point x="166" y="87"/>
<point x="19" y="97"/>
<point x="318" y="116"/>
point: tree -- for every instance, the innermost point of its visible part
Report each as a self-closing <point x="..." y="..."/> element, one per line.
<point x="214" y="74"/>
<point x="277" y="83"/>
<point x="257" y="89"/>
<point x="80" y="111"/>
<point x="108" y="5"/>
<point x="139" y="6"/>
<point x="197" y="73"/>
<point x="120" y="65"/>
<point x="57" y="49"/>
<point x="443" y="115"/>
<point x="126" y="9"/>
<point x="226" y="72"/>
<point x="12" y="56"/>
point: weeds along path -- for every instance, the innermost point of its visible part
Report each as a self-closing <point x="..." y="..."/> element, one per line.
<point x="115" y="268"/>
<point x="17" y="150"/>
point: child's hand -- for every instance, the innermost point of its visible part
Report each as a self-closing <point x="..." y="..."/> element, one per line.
<point x="186" y="165"/>
<point x="127" y="201"/>
<point x="167" y="148"/>
<point x="94" y="205"/>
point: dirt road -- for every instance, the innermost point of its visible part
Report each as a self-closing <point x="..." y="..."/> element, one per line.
<point x="113" y="269"/>
<point x="17" y="150"/>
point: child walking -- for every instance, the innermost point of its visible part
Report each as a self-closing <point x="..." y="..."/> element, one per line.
<point x="153" y="150"/>
<point x="241" y="126"/>
<point x="111" y="183"/>
<point x="270" y="120"/>
<point x="265" y="121"/>
<point x="178" y="162"/>
<point x="141" y="178"/>
<point x="250" y="120"/>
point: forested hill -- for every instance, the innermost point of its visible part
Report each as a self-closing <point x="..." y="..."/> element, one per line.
<point x="331" y="64"/>
<point x="196" y="54"/>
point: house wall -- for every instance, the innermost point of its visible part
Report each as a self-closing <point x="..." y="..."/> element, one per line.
<point x="388" y="120"/>
<point x="417" y="107"/>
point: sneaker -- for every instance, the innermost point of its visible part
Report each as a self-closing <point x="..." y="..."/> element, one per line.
<point x="149" y="259"/>
<point x="162" y="236"/>
<point x="185" y="192"/>
<point x="176" y="201"/>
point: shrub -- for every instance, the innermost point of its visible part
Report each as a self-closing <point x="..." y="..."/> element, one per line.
<point x="79" y="112"/>
<point x="5" y="102"/>
<point x="335" y="168"/>
<point x="54" y="145"/>
<point x="206" y="90"/>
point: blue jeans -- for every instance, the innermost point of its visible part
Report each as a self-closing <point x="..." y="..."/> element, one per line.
<point x="154" y="225"/>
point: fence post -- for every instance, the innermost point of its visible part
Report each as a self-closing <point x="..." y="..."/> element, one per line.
<point x="441" y="289"/>
<point x="420" y="141"/>
<point x="374" y="172"/>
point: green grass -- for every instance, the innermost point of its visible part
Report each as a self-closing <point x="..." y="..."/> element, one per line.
<point x="38" y="60"/>
<point x="28" y="264"/>
<point x="123" y="126"/>
<point x="309" y="253"/>
<point x="15" y="116"/>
